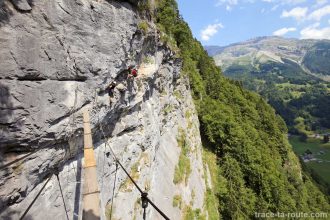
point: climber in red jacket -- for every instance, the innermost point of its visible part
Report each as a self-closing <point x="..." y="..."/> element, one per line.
<point x="132" y="72"/>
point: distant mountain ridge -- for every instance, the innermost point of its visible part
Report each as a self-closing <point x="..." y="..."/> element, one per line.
<point x="213" y="50"/>
<point x="312" y="56"/>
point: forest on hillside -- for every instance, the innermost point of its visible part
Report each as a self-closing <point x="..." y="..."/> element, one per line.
<point x="302" y="100"/>
<point x="291" y="75"/>
<point x="257" y="169"/>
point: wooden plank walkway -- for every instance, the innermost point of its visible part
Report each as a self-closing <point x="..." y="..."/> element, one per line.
<point x="91" y="193"/>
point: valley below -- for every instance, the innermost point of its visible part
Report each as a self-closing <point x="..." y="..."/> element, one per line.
<point x="316" y="157"/>
<point x="293" y="76"/>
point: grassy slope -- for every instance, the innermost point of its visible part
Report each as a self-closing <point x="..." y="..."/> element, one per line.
<point x="315" y="146"/>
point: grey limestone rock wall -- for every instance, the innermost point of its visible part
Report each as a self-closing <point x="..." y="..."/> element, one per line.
<point x="56" y="60"/>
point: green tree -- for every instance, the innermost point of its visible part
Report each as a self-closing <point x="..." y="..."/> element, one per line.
<point x="258" y="169"/>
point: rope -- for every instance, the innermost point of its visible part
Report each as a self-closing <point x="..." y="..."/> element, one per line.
<point x="56" y="172"/>
<point x="59" y="183"/>
<point x="104" y="156"/>
<point x="144" y="195"/>
<point x="113" y="191"/>
<point x="17" y="160"/>
<point x="33" y="201"/>
<point x="157" y="209"/>
<point x="129" y="176"/>
<point x="106" y="143"/>
<point x="98" y="159"/>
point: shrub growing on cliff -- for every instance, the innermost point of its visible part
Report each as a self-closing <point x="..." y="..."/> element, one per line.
<point x="143" y="26"/>
<point x="183" y="169"/>
<point x="211" y="201"/>
<point x="144" y="5"/>
<point x="177" y="201"/>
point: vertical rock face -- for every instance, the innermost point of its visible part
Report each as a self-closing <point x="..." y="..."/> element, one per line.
<point x="57" y="60"/>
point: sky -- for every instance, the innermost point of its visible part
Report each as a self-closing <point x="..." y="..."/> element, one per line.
<point x="223" y="22"/>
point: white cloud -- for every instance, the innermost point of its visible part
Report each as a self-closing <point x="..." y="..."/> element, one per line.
<point x="294" y="2"/>
<point x="285" y="2"/>
<point x="297" y="13"/>
<point x="284" y="31"/>
<point x="319" y="13"/>
<point x="314" y="32"/>
<point x="274" y="7"/>
<point x="227" y="2"/>
<point x="228" y="8"/>
<point x="210" y="30"/>
<point x="230" y="4"/>
<point x="320" y="3"/>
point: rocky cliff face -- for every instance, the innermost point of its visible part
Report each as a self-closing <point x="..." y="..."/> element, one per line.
<point x="57" y="58"/>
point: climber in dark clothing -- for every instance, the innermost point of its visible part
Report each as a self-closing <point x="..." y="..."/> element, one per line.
<point x="111" y="88"/>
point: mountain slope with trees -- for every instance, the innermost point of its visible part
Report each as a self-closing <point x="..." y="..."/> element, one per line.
<point x="292" y="75"/>
<point x="258" y="171"/>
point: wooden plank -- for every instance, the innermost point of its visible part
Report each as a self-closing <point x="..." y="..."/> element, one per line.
<point x="91" y="209"/>
<point x="91" y="193"/>
<point x="88" y="143"/>
<point x="89" y="157"/>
